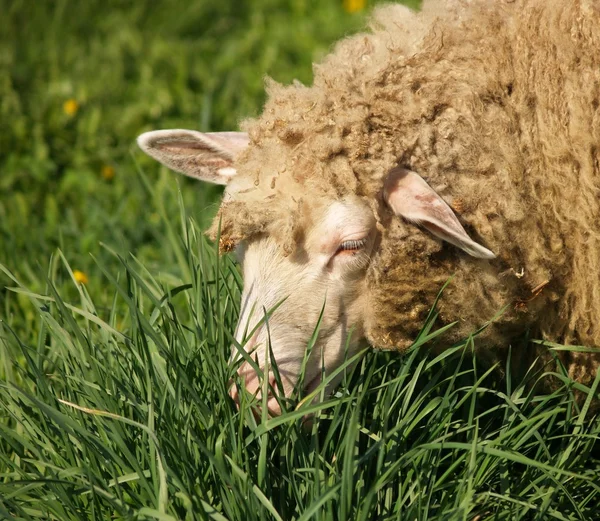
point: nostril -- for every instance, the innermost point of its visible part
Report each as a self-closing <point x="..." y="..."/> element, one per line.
<point x="253" y="385"/>
<point x="247" y="375"/>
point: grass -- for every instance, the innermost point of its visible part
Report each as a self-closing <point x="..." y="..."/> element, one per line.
<point x="113" y="393"/>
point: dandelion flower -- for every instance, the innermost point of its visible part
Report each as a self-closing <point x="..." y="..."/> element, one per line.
<point x="70" y="107"/>
<point x="80" y="277"/>
<point x="107" y="172"/>
<point x="353" y="6"/>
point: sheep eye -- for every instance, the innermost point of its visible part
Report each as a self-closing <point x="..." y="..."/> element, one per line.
<point x="353" y="245"/>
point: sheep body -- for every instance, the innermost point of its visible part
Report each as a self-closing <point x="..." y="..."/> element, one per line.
<point x="495" y="104"/>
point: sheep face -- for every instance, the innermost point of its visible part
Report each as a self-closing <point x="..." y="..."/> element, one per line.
<point x="288" y="289"/>
<point x="323" y="277"/>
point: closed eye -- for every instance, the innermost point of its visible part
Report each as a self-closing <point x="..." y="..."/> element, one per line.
<point x="352" y="245"/>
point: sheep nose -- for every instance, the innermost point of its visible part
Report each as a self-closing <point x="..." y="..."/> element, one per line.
<point x="254" y="386"/>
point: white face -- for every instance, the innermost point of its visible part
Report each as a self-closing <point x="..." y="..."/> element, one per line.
<point x="326" y="273"/>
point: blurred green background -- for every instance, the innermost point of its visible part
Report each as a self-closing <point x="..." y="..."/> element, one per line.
<point x="80" y="79"/>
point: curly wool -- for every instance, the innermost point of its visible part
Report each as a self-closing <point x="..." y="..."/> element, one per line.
<point x="495" y="104"/>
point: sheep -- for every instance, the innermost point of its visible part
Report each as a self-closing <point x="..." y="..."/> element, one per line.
<point x="459" y="141"/>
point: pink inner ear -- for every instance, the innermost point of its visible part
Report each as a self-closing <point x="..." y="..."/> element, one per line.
<point x="217" y="163"/>
<point x="205" y="156"/>
<point x="410" y="197"/>
<point x="183" y="147"/>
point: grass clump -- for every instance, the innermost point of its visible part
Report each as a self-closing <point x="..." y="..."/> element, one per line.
<point x="123" y="412"/>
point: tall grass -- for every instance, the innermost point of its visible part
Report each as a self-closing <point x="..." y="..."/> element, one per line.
<point x="114" y="391"/>
<point x="123" y="412"/>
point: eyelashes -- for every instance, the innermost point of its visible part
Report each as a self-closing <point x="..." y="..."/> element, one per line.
<point x="352" y="245"/>
<point x="350" y="257"/>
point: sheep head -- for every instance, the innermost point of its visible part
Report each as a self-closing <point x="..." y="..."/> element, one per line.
<point x="305" y="242"/>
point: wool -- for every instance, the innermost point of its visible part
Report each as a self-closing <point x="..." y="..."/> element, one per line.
<point x="495" y="104"/>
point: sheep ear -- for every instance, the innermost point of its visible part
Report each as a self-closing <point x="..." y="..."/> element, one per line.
<point x="205" y="156"/>
<point x="411" y="197"/>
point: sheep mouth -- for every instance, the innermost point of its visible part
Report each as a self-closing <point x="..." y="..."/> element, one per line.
<point x="273" y="406"/>
<point x="309" y="392"/>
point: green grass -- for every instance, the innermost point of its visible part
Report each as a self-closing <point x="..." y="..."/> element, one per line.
<point x="113" y="394"/>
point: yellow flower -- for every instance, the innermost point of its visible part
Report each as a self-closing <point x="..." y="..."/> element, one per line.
<point x="80" y="277"/>
<point x="107" y="172"/>
<point x="70" y="107"/>
<point x="353" y="6"/>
